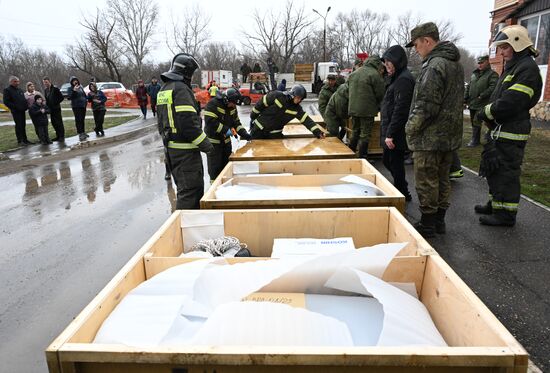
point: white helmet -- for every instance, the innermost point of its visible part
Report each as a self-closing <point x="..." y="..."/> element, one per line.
<point x="515" y="35"/>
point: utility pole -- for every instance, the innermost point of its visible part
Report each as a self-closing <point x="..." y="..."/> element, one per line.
<point x="324" y="32"/>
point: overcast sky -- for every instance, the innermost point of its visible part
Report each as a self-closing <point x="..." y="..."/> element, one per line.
<point x="52" y="24"/>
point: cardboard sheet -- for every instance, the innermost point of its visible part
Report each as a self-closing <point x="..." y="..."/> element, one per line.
<point x="283" y="247"/>
<point x="200" y="225"/>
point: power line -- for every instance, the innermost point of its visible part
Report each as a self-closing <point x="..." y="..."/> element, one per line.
<point x="39" y="24"/>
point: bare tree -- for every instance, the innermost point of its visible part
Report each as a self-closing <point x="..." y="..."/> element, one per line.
<point x="216" y="56"/>
<point x="295" y="30"/>
<point x="136" y="20"/>
<point x="101" y="38"/>
<point x="190" y="32"/>
<point x="82" y="59"/>
<point x="264" y="37"/>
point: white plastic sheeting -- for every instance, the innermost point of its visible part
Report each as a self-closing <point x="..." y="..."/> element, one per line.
<point x="199" y="303"/>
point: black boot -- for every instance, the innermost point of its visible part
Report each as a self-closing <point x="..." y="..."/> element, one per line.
<point x="363" y="150"/>
<point x="440" y="221"/>
<point x="476" y="134"/>
<point x="486" y="209"/>
<point x="499" y="218"/>
<point x="426" y="225"/>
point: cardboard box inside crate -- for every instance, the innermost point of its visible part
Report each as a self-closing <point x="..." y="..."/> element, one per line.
<point x="477" y="340"/>
<point x="310" y="173"/>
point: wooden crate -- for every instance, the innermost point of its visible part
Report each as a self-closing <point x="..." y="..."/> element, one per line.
<point x="374" y="142"/>
<point x="295" y="129"/>
<point x="293" y="148"/>
<point x="477" y="341"/>
<point x="310" y="173"/>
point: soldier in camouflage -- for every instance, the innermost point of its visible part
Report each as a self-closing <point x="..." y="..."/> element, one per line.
<point x="336" y="113"/>
<point x="434" y="127"/>
<point x="366" y="91"/>
<point x="327" y="91"/>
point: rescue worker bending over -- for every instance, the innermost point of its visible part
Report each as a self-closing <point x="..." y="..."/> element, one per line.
<point x="276" y="109"/>
<point x="507" y="115"/>
<point x="181" y="127"/>
<point x="220" y="120"/>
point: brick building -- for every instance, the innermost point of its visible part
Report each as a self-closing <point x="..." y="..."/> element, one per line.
<point x="533" y="15"/>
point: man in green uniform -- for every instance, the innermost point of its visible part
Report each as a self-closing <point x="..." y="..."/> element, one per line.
<point x="276" y="109"/>
<point x="434" y="127"/>
<point x="220" y="120"/>
<point x="507" y="115"/>
<point x="326" y="92"/>
<point x="336" y="113"/>
<point x="366" y="91"/>
<point x="181" y="128"/>
<point x="482" y="84"/>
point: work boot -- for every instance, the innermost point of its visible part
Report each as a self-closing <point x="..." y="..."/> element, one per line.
<point x="499" y="218"/>
<point x="426" y="225"/>
<point x="486" y="209"/>
<point x="440" y="221"/>
<point x="363" y="150"/>
<point x="456" y="174"/>
<point x="476" y="134"/>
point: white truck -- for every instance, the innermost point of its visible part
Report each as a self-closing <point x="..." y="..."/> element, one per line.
<point x="223" y="78"/>
<point x="311" y="75"/>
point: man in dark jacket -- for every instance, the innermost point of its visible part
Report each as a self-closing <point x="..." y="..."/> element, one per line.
<point x="434" y="127"/>
<point x="245" y="71"/>
<point x="14" y="99"/>
<point x="478" y="93"/>
<point x="507" y="115"/>
<point x="181" y="128"/>
<point x="394" y="113"/>
<point x="220" y="120"/>
<point x="153" y="90"/>
<point x="326" y="92"/>
<point x="79" y="100"/>
<point x="276" y="109"/>
<point x="53" y="101"/>
<point x="366" y="91"/>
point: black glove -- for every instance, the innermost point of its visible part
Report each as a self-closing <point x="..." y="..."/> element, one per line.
<point x="490" y="161"/>
<point x="246" y="136"/>
<point x="482" y="117"/>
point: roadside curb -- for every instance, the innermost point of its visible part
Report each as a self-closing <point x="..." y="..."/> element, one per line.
<point x="115" y="138"/>
<point x="522" y="195"/>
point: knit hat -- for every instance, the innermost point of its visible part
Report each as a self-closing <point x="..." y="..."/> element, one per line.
<point x="36" y="97"/>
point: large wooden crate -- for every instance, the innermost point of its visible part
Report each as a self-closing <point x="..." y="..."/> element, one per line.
<point x="477" y="341"/>
<point x="374" y="142"/>
<point x="310" y="173"/>
<point x="293" y="148"/>
<point x="296" y="129"/>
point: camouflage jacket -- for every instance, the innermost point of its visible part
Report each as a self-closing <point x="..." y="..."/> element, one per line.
<point x="482" y="84"/>
<point x="326" y="92"/>
<point x="435" y="118"/>
<point x="366" y="89"/>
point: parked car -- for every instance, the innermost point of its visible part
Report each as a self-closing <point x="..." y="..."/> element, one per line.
<point x="117" y="94"/>
<point x="65" y="89"/>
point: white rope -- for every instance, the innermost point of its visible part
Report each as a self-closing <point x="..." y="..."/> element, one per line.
<point x="218" y="246"/>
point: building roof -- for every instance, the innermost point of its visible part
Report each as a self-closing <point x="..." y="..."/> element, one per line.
<point x="529" y="7"/>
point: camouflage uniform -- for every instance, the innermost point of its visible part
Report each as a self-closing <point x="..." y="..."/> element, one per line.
<point x="366" y="91"/>
<point x="324" y="96"/>
<point x="434" y="127"/>
<point x="336" y="113"/>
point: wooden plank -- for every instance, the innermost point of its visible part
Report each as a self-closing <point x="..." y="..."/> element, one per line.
<point x="460" y="316"/>
<point x="400" y="230"/>
<point x="367" y="226"/>
<point x="392" y="196"/>
<point x="285" y="149"/>
<point x="317" y="118"/>
<point x="334" y="359"/>
<point x="169" y="242"/>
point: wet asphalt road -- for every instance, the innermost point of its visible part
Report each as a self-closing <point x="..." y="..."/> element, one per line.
<point x="69" y="226"/>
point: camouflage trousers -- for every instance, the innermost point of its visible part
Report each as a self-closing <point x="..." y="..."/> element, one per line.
<point x="431" y="173"/>
<point x="334" y="123"/>
<point x="360" y="132"/>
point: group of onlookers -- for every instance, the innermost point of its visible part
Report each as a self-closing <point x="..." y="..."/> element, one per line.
<point x="41" y="105"/>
